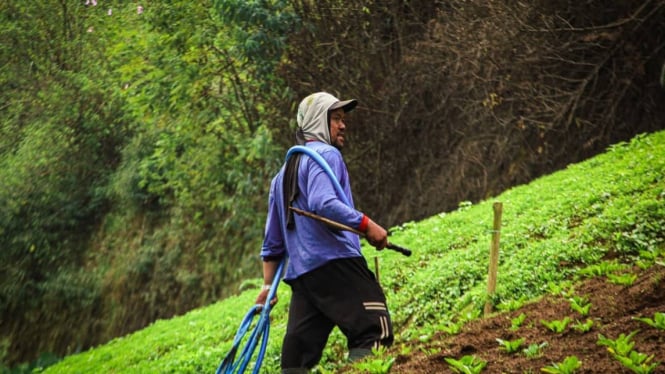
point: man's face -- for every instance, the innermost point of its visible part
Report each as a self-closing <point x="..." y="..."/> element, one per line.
<point x="337" y="128"/>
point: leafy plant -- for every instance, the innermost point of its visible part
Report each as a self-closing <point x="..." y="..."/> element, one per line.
<point x="557" y="326"/>
<point x="583" y="326"/>
<point x="638" y="362"/>
<point x="424" y="338"/>
<point x="516" y="322"/>
<point x="468" y="315"/>
<point x="580" y="304"/>
<point x="564" y="288"/>
<point x="658" y="320"/>
<point x="647" y="257"/>
<point x="621" y="345"/>
<point x="621" y="349"/>
<point x="466" y="365"/>
<point x="603" y="268"/>
<point x="512" y="304"/>
<point x="405" y="349"/>
<point x="568" y="366"/>
<point x="534" y="350"/>
<point x="450" y="327"/>
<point x="511" y="346"/>
<point x="429" y="351"/>
<point x="625" y="279"/>
<point x="376" y="364"/>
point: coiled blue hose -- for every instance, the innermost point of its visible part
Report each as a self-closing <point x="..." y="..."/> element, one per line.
<point x="229" y="364"/>
<point x="260" y="333"/>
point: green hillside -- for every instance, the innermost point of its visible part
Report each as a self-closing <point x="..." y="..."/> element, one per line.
<point x="552" y="228"/>
<point x="138" y="140"/>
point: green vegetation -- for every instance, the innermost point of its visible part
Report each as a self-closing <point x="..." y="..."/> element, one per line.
<point x="638" y="363"/>
<point x="378" y="363"/>
<point x="568" y="366"/>
<point x="534" y="350"/>
<point x="622" y="279"/>
<point x="621" y="345"/>
<point x="516" y="322"/>
<point x="658" y="320"/>
<point x="622" y="350"/>
<point x="580" y="304"/>
<point x="595" y="202"/>
<point x="466" y="365"/>
<point x="126" y="138"/>
<point x="604" y="268"/>
<point x="511" y="346"/>
<point x="583" y="326"/>
<point x="137" y="143"/>
<point x="557" y="326"/>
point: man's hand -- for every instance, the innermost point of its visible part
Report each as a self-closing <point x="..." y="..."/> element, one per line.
<point x="263" y="296"/>
<point x="376" y="235"/>
<point x="269" y="269"/>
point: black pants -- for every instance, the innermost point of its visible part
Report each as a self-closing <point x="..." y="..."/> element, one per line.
<point x="341" y="293"/>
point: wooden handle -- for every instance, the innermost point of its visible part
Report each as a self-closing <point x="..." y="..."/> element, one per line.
<point x="340" y="226"/>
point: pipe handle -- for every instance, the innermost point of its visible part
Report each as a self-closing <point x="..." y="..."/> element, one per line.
<point x="402" y="250"/>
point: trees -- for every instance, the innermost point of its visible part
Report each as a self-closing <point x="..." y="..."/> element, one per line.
<point x="137" y="141"/>
<point x="58" y="138"/>
<point x="460" y="100"/>
<point x="135" y="153"/>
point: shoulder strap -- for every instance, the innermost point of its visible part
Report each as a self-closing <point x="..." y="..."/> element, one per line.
<point x="291" y="178"/>
<point x="290" y="187"/>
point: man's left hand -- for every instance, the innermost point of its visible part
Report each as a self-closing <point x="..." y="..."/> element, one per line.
<point x="376" y="235"/>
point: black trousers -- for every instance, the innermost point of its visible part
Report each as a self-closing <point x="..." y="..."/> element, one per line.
<point x="341" y="293"/>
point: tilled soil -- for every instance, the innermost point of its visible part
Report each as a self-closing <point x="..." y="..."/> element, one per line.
<point x="613" y="309"/>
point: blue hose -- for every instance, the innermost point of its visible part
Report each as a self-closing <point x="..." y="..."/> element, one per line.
<point x="229" y="364"/>
<point x="261" y="332"/>
<point x="324" y="165"/>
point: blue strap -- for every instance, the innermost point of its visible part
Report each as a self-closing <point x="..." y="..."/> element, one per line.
<point x="324" y="165"/>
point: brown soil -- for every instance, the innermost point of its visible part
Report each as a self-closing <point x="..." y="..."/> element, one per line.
<point x="613" y="310"/>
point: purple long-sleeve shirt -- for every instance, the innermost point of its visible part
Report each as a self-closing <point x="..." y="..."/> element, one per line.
<point x="312" y="243"/>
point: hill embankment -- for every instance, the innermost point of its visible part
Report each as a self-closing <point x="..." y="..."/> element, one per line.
<point x="580" y="273"/>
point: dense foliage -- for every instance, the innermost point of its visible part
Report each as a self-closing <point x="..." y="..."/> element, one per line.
<point x="607" y="211"/>
<point x="460" y="100"/>
<point x="137" y="140"/>
<point x="135" y="157"/>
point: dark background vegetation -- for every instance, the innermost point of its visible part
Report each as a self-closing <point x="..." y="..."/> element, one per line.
<point x="136" y="148"/>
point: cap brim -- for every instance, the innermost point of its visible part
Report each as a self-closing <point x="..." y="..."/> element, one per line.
<point x="347" y="105"/>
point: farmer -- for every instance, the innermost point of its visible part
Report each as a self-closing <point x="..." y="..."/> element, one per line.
<point x="330" y="280"/>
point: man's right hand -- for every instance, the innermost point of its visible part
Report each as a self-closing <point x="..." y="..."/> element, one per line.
<point x="376" y="235"/>
<point x="263" y="296"/>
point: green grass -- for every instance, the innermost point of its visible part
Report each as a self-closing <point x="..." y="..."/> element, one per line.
<point x="192" y="343"/>
<point x="553" y="228"/>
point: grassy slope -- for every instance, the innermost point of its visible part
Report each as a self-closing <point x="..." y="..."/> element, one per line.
<point x="552" y="227"/>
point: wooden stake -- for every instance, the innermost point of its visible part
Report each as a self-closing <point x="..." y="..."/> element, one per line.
<point x="376" y="268"/>
<point x="494" y="257"/>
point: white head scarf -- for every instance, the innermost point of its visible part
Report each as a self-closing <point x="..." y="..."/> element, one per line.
<point x="313" y="116"/>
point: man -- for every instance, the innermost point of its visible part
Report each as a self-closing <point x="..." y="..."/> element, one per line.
<point x="331" y="282"/>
